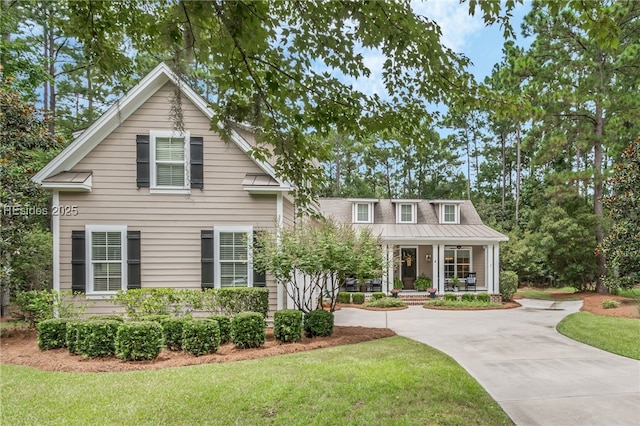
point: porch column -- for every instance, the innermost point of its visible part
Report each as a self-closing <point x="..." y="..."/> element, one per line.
<point x="434" y="266"/>
<point x="440" y="267"/>
<point x="387" y="277"/>
<point x="496" y="268"/>
<point x="488" y="267"/>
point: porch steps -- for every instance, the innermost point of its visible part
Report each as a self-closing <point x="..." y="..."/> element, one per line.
<point x="415" y="299"/>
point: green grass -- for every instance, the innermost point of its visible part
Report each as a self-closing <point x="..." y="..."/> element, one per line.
<point x="393" y="381"/>
<point x="616" y="335"/>
<point x="545" y="294"/>
<point x="633" y="293"/>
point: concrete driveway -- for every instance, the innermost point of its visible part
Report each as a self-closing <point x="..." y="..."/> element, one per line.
<point x="538" y="376"/>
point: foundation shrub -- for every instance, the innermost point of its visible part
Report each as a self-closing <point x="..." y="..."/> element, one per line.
<point x="172" y="328"/>
<point x="224" y="322"/>
<point x="248" y="330"/>
<point x="52" y="333"/>
<point x="357" y="298"/>
<point x="109" y="317"/>
<point x="344" y="297"/>
<point x="508" y="284"/>
<point x="71" y="336"/>
<point x="139" y="340"/>
<point x="378" y="295"/>
<point x="97" y="338"/>
<point x="483" y="297"/>
<point x="200" y="336"/>
<point x="287" y="325"/>
<point x="467" y="297"/>
<point x="450" y="297"/>
<point x="318" y="323"/>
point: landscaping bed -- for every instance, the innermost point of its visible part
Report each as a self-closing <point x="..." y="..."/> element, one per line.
<point x="18" y="346"/>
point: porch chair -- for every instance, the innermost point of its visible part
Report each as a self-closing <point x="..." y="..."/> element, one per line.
<point x="350" y="284"/>
<point x="376" y="284"/>
<point x="470" y="281"/>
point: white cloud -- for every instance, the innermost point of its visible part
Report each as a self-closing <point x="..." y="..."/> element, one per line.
<point x="453" y="19"/>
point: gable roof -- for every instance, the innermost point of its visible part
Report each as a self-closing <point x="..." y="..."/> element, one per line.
<point x="428" y="227"/>
<point x="88" y="139"/>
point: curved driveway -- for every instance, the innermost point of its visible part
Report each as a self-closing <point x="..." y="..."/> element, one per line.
<point x="537" y="375"/>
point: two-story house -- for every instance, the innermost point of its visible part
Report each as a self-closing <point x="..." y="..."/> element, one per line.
<point x="441" y="239"/>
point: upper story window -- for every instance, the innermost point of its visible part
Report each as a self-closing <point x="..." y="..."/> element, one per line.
<point x="406" y="212"/>
<point x="169" y="160"/>
<point x="363" y="212"/>
<point x="449" y="213"/>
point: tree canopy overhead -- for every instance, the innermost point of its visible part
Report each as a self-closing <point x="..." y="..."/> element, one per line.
<point x="290" y="68"/>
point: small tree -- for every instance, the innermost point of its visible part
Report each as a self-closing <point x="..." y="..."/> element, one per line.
<point x="311" y="260"/>
<point x="622" y="245"/>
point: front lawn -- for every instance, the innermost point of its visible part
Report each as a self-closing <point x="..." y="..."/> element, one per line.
<point x="616" y="335"/>
<point x="551" y="293"/>
<point x="387" y="381"/>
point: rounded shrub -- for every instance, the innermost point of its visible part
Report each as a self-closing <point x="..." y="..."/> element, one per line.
<point x="483" y="297"/>
<point x="287" y="325"/>
<point x="450" y="297"/>
<point x="97" y="338"/>
<point x="344" y="297"/>
<point x="318" y="323"/>
<point x="139" y="340"/>
<point x="508" y="284"/>
<point x="200" y="336"/>
<point x="224" y="323"/>
<point x="378" y="295"/>
<point x="109" y="317"/>
<point x="606" y="304"/>
<point x="154" y="318"/>
<point x="467" y="297"/>
<point x="357" y="298"/>
<point x="52" y="333"/>
<point x="71" y="336"/>
<point x="248" y="330"/>
<point x="172" y="327"/>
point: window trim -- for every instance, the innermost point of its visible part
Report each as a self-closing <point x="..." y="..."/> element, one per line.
<point x="217" y="270"/>
<point x="89" y="230"/>
<point x="369" y="212"/>
<point x="414" y="211"/>
<point x="186" y="187"/>
<point x="443" y="218"/>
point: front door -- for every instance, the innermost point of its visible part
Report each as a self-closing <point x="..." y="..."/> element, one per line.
<point x="408" y="269"/>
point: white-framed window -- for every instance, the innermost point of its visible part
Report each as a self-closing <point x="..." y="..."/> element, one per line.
<point x="232" y="256"/>
<point x="457" y="262"/>
<point x="449" y="213"/>
<point x="362" y="212"/>
<point x="106" y="248"/>
<point x="169" y="160"/>
<point x="406" y="212"/>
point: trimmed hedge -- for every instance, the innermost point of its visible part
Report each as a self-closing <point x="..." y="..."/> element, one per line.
<point x="200" y="336"/>
<point x="248" y="330"/>
<point x="287" y="325"/>
<point x="344" y="297"/>
<point x="483" y="297"/>
<point x="71" y="336"/>
<point x="52" y="333"/>
<point x="154" y="318"/>
<point x="318" y="323"/>
<point x="378" y="295"/>
<point x="114" y="317"/>
<point x="224" y="323"/>
<point x="136" y="341"/>
<point x="387" y="302"/>
<point x="172" y="327"/>
<point x="450" y="297"/>
<point x="467" y="297"/>
<point x="97" y="338"/>
<point x="357" y="298"/>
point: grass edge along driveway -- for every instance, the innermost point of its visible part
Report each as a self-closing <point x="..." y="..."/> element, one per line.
<point x="389" y="381"/>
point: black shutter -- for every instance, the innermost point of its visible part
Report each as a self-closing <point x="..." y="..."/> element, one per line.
<point x="133" y="259"/>
<point x="142" y="161"/>
<point x="78" y="264"/>
<point x="197" y="172"/>
<point x="206" y="255"/>
<point x="259" y="278"/>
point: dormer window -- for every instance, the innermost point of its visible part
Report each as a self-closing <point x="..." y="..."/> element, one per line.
<point x="449" y="213"/>
<point x="363" y="213"/>
<point x="406" y="212"/>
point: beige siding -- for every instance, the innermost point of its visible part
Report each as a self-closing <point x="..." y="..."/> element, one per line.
<point x="289" y="214"/>
<point x="478" y="264"/>
<point x="170" y="224"/>
<point x="425" y="268"/>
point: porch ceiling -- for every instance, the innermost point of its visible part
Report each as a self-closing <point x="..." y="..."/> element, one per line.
<point x="426" y="232"/>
